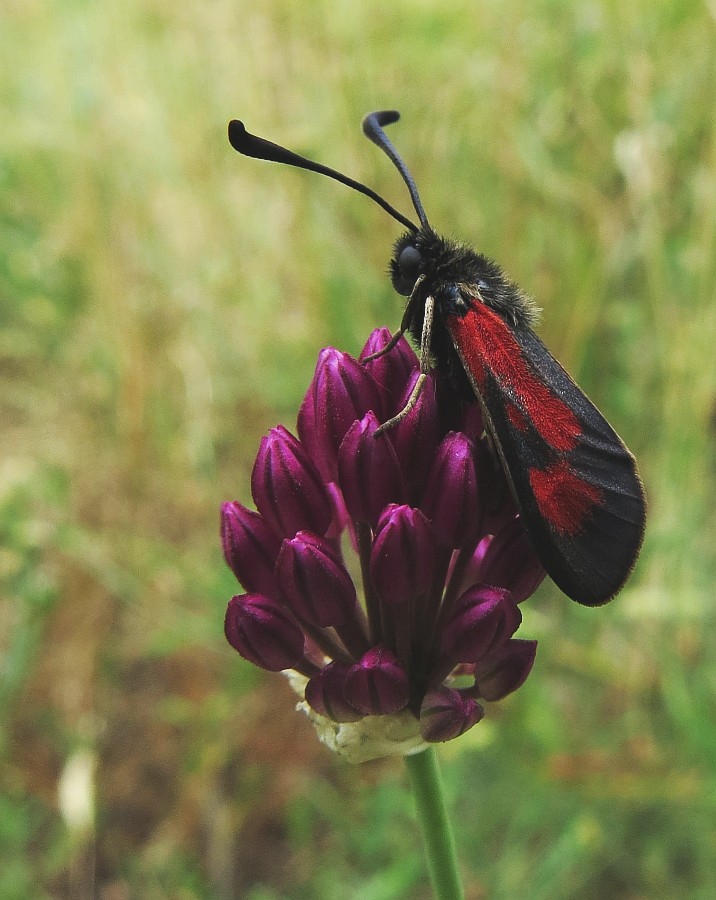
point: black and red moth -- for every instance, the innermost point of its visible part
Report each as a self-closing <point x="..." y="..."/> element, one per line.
<point x="574" y="481"/>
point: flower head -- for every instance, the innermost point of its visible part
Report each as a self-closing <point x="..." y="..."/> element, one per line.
<point x="403" y="654"/>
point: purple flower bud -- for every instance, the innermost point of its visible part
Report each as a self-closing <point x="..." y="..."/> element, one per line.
<point x="509" y="560"/>
<point x="369" y="472"/>
<point x="451" y="497"/>
<point x="250" y="547"/>
<point x="417" y="435"/>
<point x="378" y="684"/>
<point x="341" y="518"/>
<point x="507" y="670"/>
<point x="325" y="693"/>
<point x="342" y="391"/>
<point x="404" y="554"/>
<point x="377" y="340"/>
<point x="482" y="618"/>
<point x="314" y="582"/>
<point x="263" y="632"/>
<point x="287" y="488"/>
<point x="392" y="370"/>
<point x="446" y="714"/>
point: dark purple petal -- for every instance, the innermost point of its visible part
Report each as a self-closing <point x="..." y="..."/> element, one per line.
<point x="314" y="582"/>
<point x="506" y="671"/>
<point x="418" y="434"/>
<point x="392" y="370"/>
<point x="446" y="714"/>
<point x="342" y="391"/>
<point x="309" y="436"/>
<point x="509" y="560"/>
<point x="377" y="685"/>
<point x="404" y="554"/>
<point x="451" y="498"/>
<point x="341" y="518"/>
<point x="263" y="632"/>
<point x="325" y="693"/>
<point x="369" y="473"/>
<point x="482" y="618"/>
<point x="286" y="486"/>
<point x="250" y="547"/>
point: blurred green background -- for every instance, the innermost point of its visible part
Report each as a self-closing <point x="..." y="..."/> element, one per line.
<point x="163" y="303"/>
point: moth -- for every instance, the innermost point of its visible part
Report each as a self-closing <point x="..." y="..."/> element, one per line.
<point x="573" y="479"/>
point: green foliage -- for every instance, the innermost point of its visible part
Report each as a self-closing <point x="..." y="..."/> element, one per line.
<point x="162" y="303"/>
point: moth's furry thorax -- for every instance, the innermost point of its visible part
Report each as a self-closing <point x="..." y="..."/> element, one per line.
<point x="447" y="265"/>
<point x="457" y="277"/>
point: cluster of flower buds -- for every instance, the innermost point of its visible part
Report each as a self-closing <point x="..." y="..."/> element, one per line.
<point x="419" y="516"/>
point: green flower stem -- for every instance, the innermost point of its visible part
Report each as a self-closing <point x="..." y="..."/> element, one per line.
<point x="435" y="825"/>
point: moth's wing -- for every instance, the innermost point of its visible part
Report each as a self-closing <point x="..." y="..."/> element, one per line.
<point x="574" y="480"/>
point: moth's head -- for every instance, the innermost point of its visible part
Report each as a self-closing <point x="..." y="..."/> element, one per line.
<point x="407" y="264"/>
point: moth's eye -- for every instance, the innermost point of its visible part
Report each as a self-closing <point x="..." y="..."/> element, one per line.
<point x="410" y="262"/>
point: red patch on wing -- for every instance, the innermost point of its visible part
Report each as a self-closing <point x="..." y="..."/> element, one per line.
<point x="517" y="420"/>
<point x="564" y="500"/>
<point x="486" y="344"/>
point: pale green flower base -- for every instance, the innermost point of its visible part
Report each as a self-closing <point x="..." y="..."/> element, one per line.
<point x="369" y="738"/>
<point x="398" y="735"/>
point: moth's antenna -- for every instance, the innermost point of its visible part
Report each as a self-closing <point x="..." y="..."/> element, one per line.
<point x="259" y="148"/>
<point x="373" y="129"/>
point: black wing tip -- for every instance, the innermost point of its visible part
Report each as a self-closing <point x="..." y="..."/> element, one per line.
<point x="636" y="525"/>
<point x="584" y="591"/>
